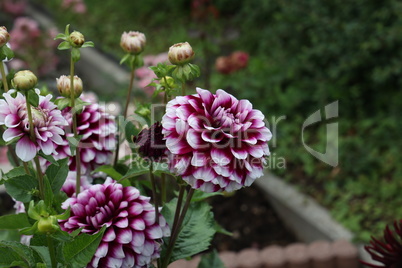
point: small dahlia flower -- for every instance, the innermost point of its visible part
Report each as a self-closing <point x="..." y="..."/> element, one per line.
<point x="150" y="142"/>
<point x="217" y="142"/>
<point x="389" y="251"/>
<point x="48" y="124"/>
<point x="98" y="130"/>
<point x="132" y="237"/>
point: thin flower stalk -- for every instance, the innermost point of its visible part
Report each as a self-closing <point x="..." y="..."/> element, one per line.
<point x="75" y="132"/>
<point x="4" y="77"/>
<point x="154" y="191"/>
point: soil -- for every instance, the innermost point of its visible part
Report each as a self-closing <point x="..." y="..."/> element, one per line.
<point x="251" y="219"/>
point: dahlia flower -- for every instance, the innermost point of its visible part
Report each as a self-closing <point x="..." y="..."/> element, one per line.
<point x="132" y="237"/>
<point x="48" y="124"/>
<point x="217" y="142"/>
<point x="388" y="252"/>
<point x="97" y="129"/>
<point x="70" y="183"/>
<point x="150" y="142"/>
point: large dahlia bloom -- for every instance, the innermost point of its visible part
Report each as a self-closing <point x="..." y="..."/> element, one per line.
<point x="388" y="252"/>
<point x="47" y="120"/>
<point x="132" y="238"/>
<point x="98" y="130"/>
<point x="217" y="142"/>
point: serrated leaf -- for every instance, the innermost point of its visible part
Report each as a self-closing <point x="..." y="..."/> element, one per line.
<point x="75" y="54"/>
<point x="109" y="170"/>
<point x="211" y="260"/>
<point x="60" y="36"/>
<point x="64" y="45"/>
<point x="14" y="221"/>
<point x="57" y="174"/>
<point x="21" y="187"/>
<point x="33" y="98"/>
<point x="81" y="250"/>
<point x="135" y="170"/>
<point x="43" y="252"/>
<point x="15" y="172"/>
<point x="196" y="231"/>
<point x="16" y="254"/>
<point x="48" y="192"/>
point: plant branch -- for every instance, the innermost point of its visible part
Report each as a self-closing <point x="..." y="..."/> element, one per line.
<point x="4" y="77"/>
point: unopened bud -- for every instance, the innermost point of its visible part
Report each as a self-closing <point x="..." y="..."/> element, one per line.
<point x="4" y="36"/>
<point x="167" y="82"/>
<point x="47" y="225"/>
<point x="133" y="42"/>
<point x="24" y="80"/>
<point x="63" y="85"/>
<point x="181" y="53"/>
<point x="77" y="39"/>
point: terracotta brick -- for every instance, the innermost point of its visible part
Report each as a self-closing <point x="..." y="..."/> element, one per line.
<point x="297" y="256"/>
<point x="346" y="254"/>
<point x="273" y="257"/>
<point x="229" y="259"/>
<point x="249" y="258"/>
<point x="321" y="254"/>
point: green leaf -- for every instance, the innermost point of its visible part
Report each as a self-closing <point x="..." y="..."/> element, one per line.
<point x="8" y="52"/>
<point x="67" y="30"/>
<point x="125" y="58"/>
<point x="57" y="174"/>
<point x="16" y="254"/>
<point x="60" y="36"/>
<point x="62" y="103"/>
<point x="211" y="260"/>
<point x="135" y="170"/>
<point x="160" y="168"/>
<point x="196" y="231"/>
<point x="64" y="45"/>
<point x="48" y="192"/>
<point x="221" y="230"/>
<point x="109" y="170"/>
<point x="130" y="131"/>
<point x="15" y="172"/>
<point x="75" y="54"/>
<point x="88" y="44"/>
<point x="81" y="250"/>
<point x="33" y="98"/>
<point x="49" y="158"/>
<point x="21" y="187"/>
<point x="43" y="252"/>
<point x="200" y="195"/>
<point x="14" y="221"/>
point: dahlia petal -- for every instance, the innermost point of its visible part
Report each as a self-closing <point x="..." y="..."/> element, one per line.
<point x="88" y="155"/>
<point x="25" y="149"/>
<point x="135" y="209"/>
<point x="129" y="261"/>
<point x="221" y="157"/>
<point x="199" y="159"/>
<point x="196" y="121"/>
<point x="206" y="96"/>
<point x="211" y="136"/>
<point x="124" y="236"/>
<point x="47" y="147"/>
<point x="109" y="235"/>
<point x="122" y="223"/>
<point x="12" y="120"/>
<point x="194" y="140"/>
<point x="177" y="146"/>
<point x="116" y="196"/>
<point x="138" y="224"/>
<point x="11" y="133"/>
<point x="255" y="151"/>
<point x="239" y="153"/>
<point x="243" y="105"/>
<point x="154" y="232"/>
<point x="148" y="248"/>
<point x="102" y="250"/>
<point x="78" y="209"/>
<point x="114" y="262"/>
<point x="138" y="239"/>
<point x="181" y="127"/>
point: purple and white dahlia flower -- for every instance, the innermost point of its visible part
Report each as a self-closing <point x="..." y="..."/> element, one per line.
<point x="217" y="142"/>
<point x="98" y="130"/>
<point x="48" y="124"/>
<point x="132" y="238"/>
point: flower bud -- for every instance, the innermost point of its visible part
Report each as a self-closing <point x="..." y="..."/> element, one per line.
<point x="77" y="39"/>
<point x="24" y="80"/>
<point x="181" y="53"/>
<point x="63" y="85"/>
<point x="150" y="142"/>
<point x="167" y="82"/>
<point x="47" y="225"/>
<point x="133" y="42"/>
<point x="4" y="36"/>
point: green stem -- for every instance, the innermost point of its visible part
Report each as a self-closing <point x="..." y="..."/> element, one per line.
<point x="130" y="89"/>
<point x="176" y="231"/>
<point x="183" y="89"/>
<point x="52" y="252"/>
<point x="33" y="139"/>
<point x="26" y="168"/>
<point x="155" y="194"/>
<point x="75" y="132"/>
<point x="178" y="207"/>
<point x="4" y="77"/>
<point x="163" y="188"/>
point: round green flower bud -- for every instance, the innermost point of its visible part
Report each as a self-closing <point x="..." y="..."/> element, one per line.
<point x="77" y="39"/>
<point x="181" y="53"/>
<point x="133" y="42"/>
<point x="24" y="80"/>
<point x="63" y="85"/>
<point x="47" y="225"/>
<point x="4" y="36"/>
<point x="167" y="82"/>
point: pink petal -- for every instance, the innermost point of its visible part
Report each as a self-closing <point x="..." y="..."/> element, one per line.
<point x="124" y="236"/>
<point x="155" y="232"/>
<point x="122" y="223"/>
<point x="11" y="133"/>
<point x="239" y="153"/>
<point x="102" y="250"/>
<point x="12" y="120"/>
<point x="109" y="235"/>
<point x="25" y="149"/>
<point x="47" y="147"/>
